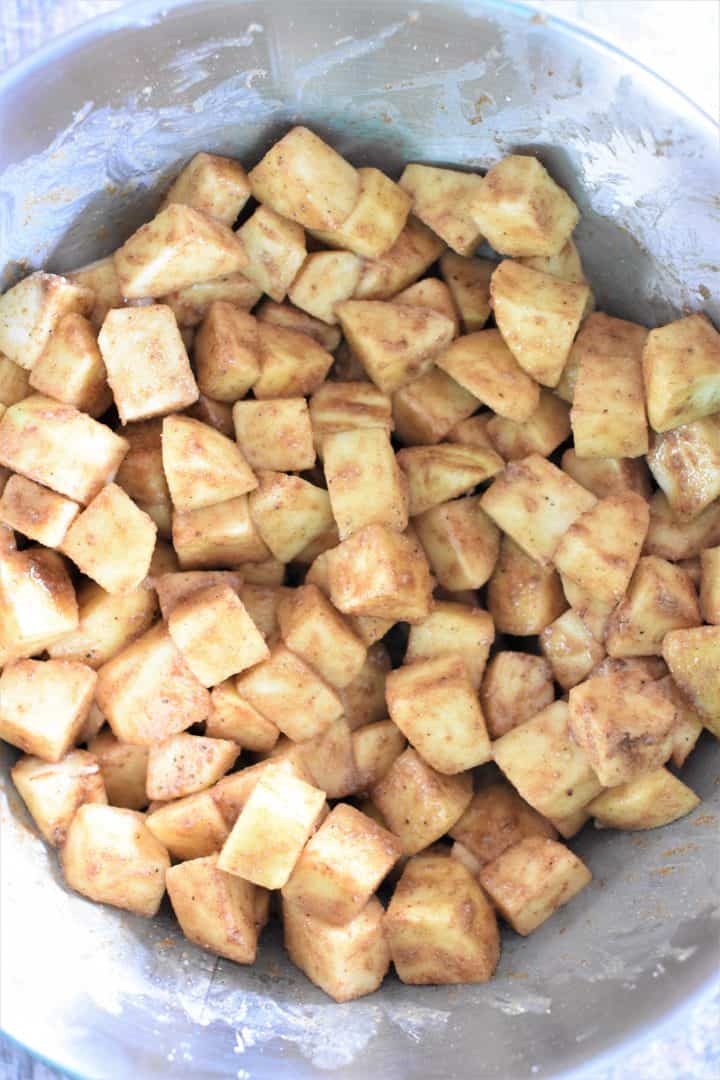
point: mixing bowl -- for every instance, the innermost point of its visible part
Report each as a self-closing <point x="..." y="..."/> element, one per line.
<point x="91" y="129"/>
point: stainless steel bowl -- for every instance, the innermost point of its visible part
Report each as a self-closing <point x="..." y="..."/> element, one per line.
<point x="91" y="127"/>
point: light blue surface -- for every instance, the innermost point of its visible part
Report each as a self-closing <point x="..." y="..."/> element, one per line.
<point x="688" y="1046"/>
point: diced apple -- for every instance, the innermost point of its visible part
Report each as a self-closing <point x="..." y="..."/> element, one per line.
<point x="535" y="504"/>
<point x="522" y="211"/>
<point x="275" y="434"/>
<point x="59" y="447"/>
<point x="442" y="198"/>
<point x="232" y="717"/>
<point x="566" y="264"/>
<point x="516" y="687"/>
<point x="289" y="513"/>
<point x="112" y="857"/>
<point x="274" y="825"/>
<point x="608" y="476"/>
<point x="346" y="406"/>
<point x="291" y="318"/>
<point x="496" y="819"/>
<point x="623" y="725"/>
<point x="411" y="782"/>
<point x="460" y="541"/>
<point x="215" y="634"/>
<point x="315" y="631"/>
<point x="538" y="317"/>
<point x="375" y="748"/>
<point x="681" y="369"/>
<point x="215" y="910"/>
<point x="325" y="279"/>
<point x="227" y="352"/>
<point x="673" y="539"/>
<point x="71" y="369"/>
<point x="31" y="310"/>
<point x="438" y="473"/>
<point x="189" y="828"/>
<point x="176" y="585"/>
<point x="484" y="366"/>
<point x="435" y="705"/>
<point x="686" y="465"/>
<point x="381" y="573"/>
<point x="219" y="535"/>
<point x="216" y="185"/>
<point x="531" y="880"/>
<point x="693" y="657"/>
<point x="341" y="866"/>
<point x="101" y="278"/>
<point x="427" y="409"/>
<point x="36" y="512"/>
<point x="571" y="649"/>
<point x="395" y="343"/>
<point x="600" y="549"/>
<point x="661" y="597"/>
<point x="232" y="792"/>
<point x="275" y="248"/>
<point x="473" y="431"/>
<point x="440" y="926"/>
<point x="285" y="690"/>
<point x="124" y="769"/>
<point x="179" y="247"/>
<point x="363" y="699"/>
<point x="304" y="179"/>
<point x="431" y="293"/>
<point x="37" y="602"/>
<point x="53" y="792"/>
<point x="147" y="364"/>
<point x="330" y="760"/>
<point x="43" y="705"/>
<point x="415" y="249"/>
<point x="292" y="364"/>
<point x="541" y="433"/>
<point x="185" y="764"/>
<point x="202" y="466"/>
<point x="364" y="480"/>
<point x="469" y="283"/>
<point x="375" y="221"/>
<point x="608" y="412"/>
<point x="543" y="762"/>
<point x="648" y="802"/>
<point x="148" y="693"/>
<point x="524" y="596"/>
<point x="453" y="628"/>
<point x="346" y="962"/>
<point x="107" y="623"/>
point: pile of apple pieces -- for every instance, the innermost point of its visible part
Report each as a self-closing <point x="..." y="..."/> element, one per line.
<point x="217" y="540"/>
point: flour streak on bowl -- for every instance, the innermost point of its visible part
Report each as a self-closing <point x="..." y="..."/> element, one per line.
<point x="94" y="128"/>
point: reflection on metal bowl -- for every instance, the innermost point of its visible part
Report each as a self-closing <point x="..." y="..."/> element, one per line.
<point x="93" y="126"/>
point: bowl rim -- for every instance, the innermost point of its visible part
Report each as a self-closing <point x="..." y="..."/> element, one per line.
<point x="130" y="14"/>
<point x="133" y="14"/>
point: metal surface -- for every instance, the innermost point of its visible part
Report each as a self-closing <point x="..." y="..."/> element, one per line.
<point x="89" y="130"/>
